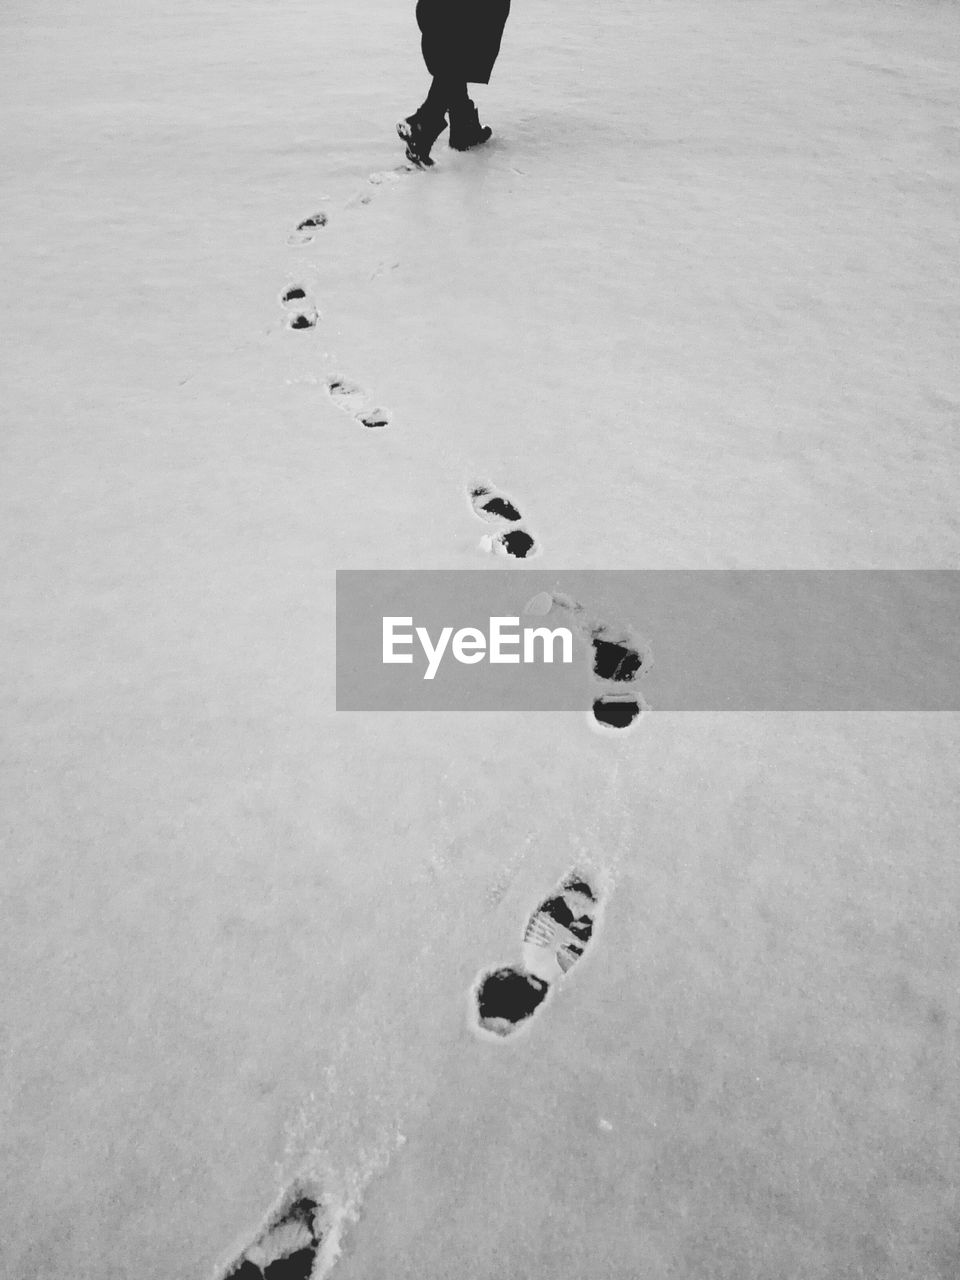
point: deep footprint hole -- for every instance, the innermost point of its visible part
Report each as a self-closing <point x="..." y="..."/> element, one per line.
<point x="295" y="1264"/>
<point x="294" y="294"/>
<point x="298" y="1266"/>
<point x="509" y="996"/>
<point x="517" y="543"/>
<point x="612" y="661"/>
<point x="302" y="321"/>
<point x="501" y="507"/>
<point x="617" y="713"/>
<point x="245" y="1271"/>
<point x="315" y="220"/>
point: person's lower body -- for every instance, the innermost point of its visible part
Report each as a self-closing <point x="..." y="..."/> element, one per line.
<point x="447" y="96"/>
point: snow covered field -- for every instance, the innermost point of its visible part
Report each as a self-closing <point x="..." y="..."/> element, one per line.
<point x="696" y="306"/>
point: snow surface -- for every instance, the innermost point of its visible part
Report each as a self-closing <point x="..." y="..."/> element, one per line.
<point x="697" y="306"/>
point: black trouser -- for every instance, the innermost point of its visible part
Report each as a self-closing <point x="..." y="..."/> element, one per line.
<point x="446" y="94"/>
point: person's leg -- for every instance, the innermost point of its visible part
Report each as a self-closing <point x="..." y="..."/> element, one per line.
<point x="466" y="131"/>
<point x="421" y="130"/>
<point x="441" y="97"/>
<point x="456" y="94"/>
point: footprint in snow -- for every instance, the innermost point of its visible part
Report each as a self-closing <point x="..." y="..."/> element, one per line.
<point x="390" y="175"/>
<point x="495" y="508"/>
<point x="301" y="312"/>
<point x="286" y="1247"/>
<point x="354" y="400"/>
<point x="381" y="178"/>
<point x="556" y="936"/>
<point x="612" y="712"/>
<point x="618" y="658"/>
<point x="492" y="506"/>
<point x="306" y="231"/>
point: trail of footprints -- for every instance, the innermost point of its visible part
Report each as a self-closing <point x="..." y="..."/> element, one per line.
<point x="302" y="313"/>
<point x="355" y="401"/>
<point x="555" y="938"/>
<point x="560" y="929"/>
<point x="619" y="657"/>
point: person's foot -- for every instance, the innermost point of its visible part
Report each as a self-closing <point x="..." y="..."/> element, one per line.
<point x="466" y="131"/>
<point x="419" y="135"/>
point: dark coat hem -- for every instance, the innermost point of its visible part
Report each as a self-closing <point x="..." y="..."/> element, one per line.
<point x="461" y="38"/>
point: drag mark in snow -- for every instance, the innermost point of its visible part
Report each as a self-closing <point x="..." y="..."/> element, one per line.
<point x="286" y="1246"/>
<point x="556" y="936"/>
<point x="497" y="509"/>
<point x="353" y="400"/>
<point x="382" y="268"/>
<point x="508" y="873"/>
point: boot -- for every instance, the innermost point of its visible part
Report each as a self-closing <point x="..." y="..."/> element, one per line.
<point x="419" y="133"/>
<point x="466" y="131"/>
